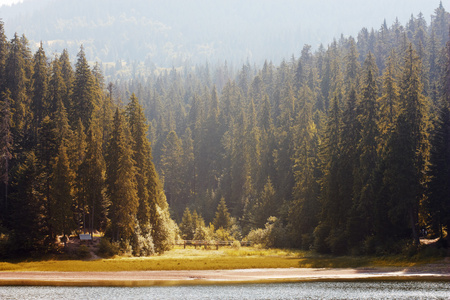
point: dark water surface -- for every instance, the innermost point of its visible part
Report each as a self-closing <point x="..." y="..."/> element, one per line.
<point x="304" y="290"/>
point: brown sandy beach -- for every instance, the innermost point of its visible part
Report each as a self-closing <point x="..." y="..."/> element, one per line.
<point x="197" y="277"/>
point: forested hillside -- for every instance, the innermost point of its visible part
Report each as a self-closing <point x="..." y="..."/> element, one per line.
<point x="71" y="160"/>
<point x="177" y="32"/>
<point x="342" y="150"/>
<point x="346" y="146"/>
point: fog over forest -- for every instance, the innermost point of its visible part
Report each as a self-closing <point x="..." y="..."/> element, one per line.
<point x="175" y="32"/>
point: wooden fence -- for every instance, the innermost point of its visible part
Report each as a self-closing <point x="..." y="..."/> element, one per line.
<point x="206" y="244"/>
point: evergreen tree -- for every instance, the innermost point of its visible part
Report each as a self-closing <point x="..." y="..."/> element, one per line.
<point x="91" y="183"/>
<point x="186" y="225"/>
<point x="361" y="218"/>
<point x="222" y="218"/>
<point x="6" y="143"/>
<point x="439" y="199"/>
<point x="329" y="234"/>
<point x="170" y="162"/>
<point x="27" y="217"/>
<point x="68" y="79"/>
<point x="84" y="97"/>
<point x="62" y="195"/>
<point x="16" y="82"/>
<point x="39" y="101"/>
<point x="408" y="152"/>
<point x="266" y="206"/>
<point x="3" y="55"/>
<point x="146" y="176"/>
<point x="121" y="182"/>
<point x="304" y="164"/>
<point x="56" y="87"/>
<point x="388" y="103"/>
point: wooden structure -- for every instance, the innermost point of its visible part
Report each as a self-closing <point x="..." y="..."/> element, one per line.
<point x="206" y="244"/>
<point x="85" y="238"/>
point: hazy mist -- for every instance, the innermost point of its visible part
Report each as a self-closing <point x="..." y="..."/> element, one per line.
<point x="173" y="32"/>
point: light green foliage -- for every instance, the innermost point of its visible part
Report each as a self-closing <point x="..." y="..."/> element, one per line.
<point x="271" y="236"/>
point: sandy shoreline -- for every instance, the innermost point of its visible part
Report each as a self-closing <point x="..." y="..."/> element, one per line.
<point x="205" y="277"/>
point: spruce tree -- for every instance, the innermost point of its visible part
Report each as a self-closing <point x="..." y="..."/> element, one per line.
<point x="438" y="190"/>
<point x="56" y="87"/>
<point x="3" y="55"/>
<point x="27" y="213"/>
<point x="61" y="203"/>
<point x="84" y="98"/>
<point x="388" y="103"/>
<point x="68" y="79"/>
<point x="304" y="165"/>
<point x="6" y="142"/>
<point x="170" y="162"/>
<point x="222" y="218"/>
<point x="121" y="182"/>
<point x="362" y="218"/>
<point x="408" y="151"/>
<point x="91" y="183"/>
<point x="39" y="101"/>
<point x="16" y="82"/>
<point x="329" y="234"/>
<point x="146" y="177"/>
<point x="186" y="228"/>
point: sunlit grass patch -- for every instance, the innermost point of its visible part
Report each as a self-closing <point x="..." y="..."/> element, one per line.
<point x="224" y="258"/>
<point x="264" y="252"/>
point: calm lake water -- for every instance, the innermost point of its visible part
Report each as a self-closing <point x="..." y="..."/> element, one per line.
<point x="306" y="290"/>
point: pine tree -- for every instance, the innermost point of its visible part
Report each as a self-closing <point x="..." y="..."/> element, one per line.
<point x="408" y="151"/>
<point x="68" y="79"/>
<point x="16" y="82"/>
<point x="3" y="56"/>
<point x="388" y="103"/>
<point x="170" y="162"/>
<point x="241" y="185"/>
<point x="329" y="234"/>
<point x="438" y="203"/>
<point x="352" y="66"/>
<point x="362" y="218"/>
<point x="438" y="191"/>
<point x="91" y="183"/>
<point x="211" y="148"/>
<point x="304" y="165"/>
<point x="39" y="101"/>
<point x="186" y="226"/>
<point x="61" y="217"/>
<point x="27" y="214"/>
<point x="6" y="143"/>
<point x="188" y="167"/>
<point x="146" y="176"/>
<point x="84" y="98"/>
<point x="121" y="182"/>
<point x="222" y="218"/>
<point x="46" y="153"/>
<point x="56" y="87"/>
<point x="266" y="206"/>
<point x="350" y="137"/>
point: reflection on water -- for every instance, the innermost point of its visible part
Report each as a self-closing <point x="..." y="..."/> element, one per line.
<point x="304" y="290"/>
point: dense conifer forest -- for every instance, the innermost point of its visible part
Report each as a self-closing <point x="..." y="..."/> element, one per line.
<point x="343" y="150"/>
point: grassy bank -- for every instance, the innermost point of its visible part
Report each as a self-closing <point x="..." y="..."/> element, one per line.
<point x="224" y="258"/>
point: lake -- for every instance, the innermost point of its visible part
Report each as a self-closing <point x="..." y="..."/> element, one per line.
<point x="303" y="290"/>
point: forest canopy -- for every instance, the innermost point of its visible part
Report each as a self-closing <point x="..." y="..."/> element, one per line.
<point x="341" y="150"/>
